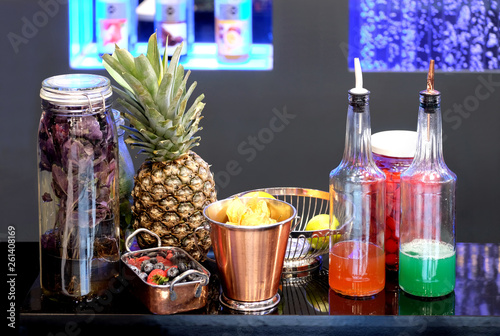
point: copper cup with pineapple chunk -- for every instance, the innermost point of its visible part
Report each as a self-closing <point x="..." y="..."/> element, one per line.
<point x="249" y="238"/>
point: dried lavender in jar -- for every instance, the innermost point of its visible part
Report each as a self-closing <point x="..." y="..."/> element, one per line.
<point x="78" y="187"/>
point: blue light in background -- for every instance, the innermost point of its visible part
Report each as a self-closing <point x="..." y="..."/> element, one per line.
<point x="403" y="35"/>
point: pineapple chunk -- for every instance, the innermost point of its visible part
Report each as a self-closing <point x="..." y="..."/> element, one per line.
<point x="254" y="213"/>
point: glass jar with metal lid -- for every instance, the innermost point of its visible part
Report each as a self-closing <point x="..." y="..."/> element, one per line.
<point x="77" y="187"/>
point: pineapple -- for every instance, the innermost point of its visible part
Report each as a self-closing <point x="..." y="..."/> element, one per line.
<point x="174" y="184"/>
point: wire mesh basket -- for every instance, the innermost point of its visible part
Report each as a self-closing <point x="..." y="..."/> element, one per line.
<point x="305" y="249"/>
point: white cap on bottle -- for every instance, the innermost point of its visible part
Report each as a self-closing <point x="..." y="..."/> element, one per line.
<point x="400" y="144"/>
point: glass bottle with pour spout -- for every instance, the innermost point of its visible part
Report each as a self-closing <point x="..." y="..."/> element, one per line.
<point x="427" y="229"/>
<point x="357" y="262"/>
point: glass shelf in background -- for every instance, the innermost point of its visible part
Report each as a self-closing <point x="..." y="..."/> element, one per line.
<point x="83" y="54"/>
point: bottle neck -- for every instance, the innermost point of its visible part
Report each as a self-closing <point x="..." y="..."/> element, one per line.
<point x="358" y="150"/>
<point x="429" y="143"/>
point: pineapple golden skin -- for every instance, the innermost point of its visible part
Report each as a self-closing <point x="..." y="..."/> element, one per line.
<point x="169" y="198"/>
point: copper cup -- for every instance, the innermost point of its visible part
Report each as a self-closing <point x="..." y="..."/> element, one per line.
<point x="250" y="258"/>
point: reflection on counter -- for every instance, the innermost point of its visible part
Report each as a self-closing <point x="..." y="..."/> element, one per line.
<point x="413" y="305"/>
<point x="370" y="305"/>
<point x="478" y="280"/>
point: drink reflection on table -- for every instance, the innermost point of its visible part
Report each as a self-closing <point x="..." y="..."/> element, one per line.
<point x="344" y="305"/>
<point x="413" y="305"/>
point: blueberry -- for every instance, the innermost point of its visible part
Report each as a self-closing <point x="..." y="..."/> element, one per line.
<point x="192" y="277"/>
<point x="143" y="276"/>
<point x="144" y="263"/>
<point x="180" y="258"/>
<point x="135" y="269"/>
<point x="182" y="267"/>
<point x="148" y="267"/>
<point x="159" y="266"/>
<point x="152" y="254"/>
<point x="193" y="265"/>
<point x="172" y="272"/>
<point x="153" y="260"/>
<point x="162" y="254"/>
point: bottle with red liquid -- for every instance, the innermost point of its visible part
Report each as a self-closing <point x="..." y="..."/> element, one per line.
<point x="393" y="153"/>
<point x="357" y="260"/>
<point x="427" y="230"/>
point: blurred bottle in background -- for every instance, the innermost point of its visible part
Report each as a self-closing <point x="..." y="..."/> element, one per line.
<point x="116" y="23"/>
<point x="233" y="30"/>
<point x="174" y="24"/>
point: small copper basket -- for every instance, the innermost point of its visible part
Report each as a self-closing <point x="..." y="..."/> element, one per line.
<point x="175" y="297"/>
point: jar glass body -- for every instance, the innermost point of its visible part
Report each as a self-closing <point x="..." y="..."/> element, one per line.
<point x="77" y="190"/>
<point x="392" y="167"/>
<point x="126" y="181"/>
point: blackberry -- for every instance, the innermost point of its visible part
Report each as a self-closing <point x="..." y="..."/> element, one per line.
<point x="153" y="260"/>
<point x="172" y="272"/>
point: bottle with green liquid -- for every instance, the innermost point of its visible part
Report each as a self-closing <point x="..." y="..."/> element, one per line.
<point x="427" y="229"/>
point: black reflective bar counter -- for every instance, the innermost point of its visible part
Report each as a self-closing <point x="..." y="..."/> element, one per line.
<point x="306" y="306"/>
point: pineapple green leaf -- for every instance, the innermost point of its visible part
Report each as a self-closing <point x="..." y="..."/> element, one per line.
<point x="160" y="154"/>
<point x="174" y="103"/>
<point x="143" y="95"/>
<point x="179" y="79"/>
<point x="135" y="132"/>
<point x="153" y="55"/>
<point x="183" y="104"/>
<point x="140" y="144"/>
<point x="135" y="137"/>
<point x="164" y="62"/>
<point x="193" y="142"/>
<point x="128" y="97"/>
<point x="146" y="74"/>
<point x="162" y="96"/>
<point x="116" y="70"/>
<point x="172" y="67"/>
<point x="149" y="151"/>
<point x="165" y="144"/>
<point x="136" y="123"/>
<point x="132" y="112"/>
<point x="126" y="60"/>
<point x="195" y="109"/>
<point x="150" y="136"/>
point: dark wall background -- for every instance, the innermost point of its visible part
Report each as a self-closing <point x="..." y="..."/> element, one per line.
<point x="309" y="81"/>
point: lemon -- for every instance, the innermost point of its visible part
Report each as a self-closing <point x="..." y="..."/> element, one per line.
<point x="319" y="223"/>
<point x="258" y="194"/>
